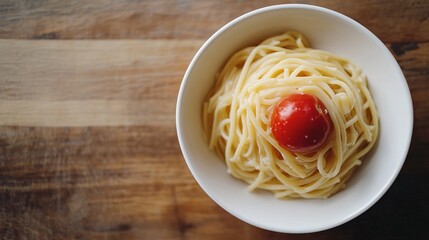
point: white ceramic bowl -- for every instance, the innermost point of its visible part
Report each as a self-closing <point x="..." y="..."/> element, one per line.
<point x="326" y="30"/>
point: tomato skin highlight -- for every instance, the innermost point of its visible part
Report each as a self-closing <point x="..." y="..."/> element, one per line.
<point x="300" y="123"/>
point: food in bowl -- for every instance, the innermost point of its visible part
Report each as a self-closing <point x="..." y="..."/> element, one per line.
<point x="326" y="30"/>
<point x="290" y="119"/>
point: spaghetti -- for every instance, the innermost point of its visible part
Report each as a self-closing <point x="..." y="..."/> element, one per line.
<point x="237" y="112"/>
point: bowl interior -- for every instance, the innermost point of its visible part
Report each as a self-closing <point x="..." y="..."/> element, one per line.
<point x="326" y="30"/>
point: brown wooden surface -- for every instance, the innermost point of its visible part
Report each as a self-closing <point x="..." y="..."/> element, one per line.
<point x="88" y="145"/>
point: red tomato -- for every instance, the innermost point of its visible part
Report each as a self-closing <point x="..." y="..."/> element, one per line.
<point x="301" y="123"/>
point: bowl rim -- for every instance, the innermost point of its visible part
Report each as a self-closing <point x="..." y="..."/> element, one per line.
<point x="338" y="15"/>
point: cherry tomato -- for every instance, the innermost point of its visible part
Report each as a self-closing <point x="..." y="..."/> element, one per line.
<point x="300" y="123"/>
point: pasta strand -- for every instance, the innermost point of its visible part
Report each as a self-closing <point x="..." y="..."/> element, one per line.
<point x="237" y="112"/>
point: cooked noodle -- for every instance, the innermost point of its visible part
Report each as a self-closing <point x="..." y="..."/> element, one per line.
<point x="236" y="117"/>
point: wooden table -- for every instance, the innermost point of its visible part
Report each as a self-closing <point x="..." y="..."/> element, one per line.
<point x="88" y="146"/>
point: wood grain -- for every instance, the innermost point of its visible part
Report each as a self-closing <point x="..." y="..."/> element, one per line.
<point x="403" y="20"/>
<point x="88" y="145"/>
<point x="127" y="82"/>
